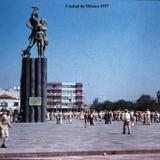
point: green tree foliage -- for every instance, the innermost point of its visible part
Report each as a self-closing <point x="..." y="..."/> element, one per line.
<point x="108" y="105"/>
<point x="145" y="101"/>
<point x="142" y="103"/>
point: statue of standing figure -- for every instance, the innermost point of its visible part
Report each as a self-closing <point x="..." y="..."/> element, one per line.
<point x="38" y="34"/>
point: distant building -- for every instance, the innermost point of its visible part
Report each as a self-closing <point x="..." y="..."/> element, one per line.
<point x="64" y="96"/>
<point x="9" y="103"/>
<point x="60" y="95"/>
<point x="13" y="92"/>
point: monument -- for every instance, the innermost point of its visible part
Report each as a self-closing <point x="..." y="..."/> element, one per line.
<point x="34" y="72"/>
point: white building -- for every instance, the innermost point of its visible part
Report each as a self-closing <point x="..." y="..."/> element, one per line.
<point x="65" y="95"/>
<point x="9" y="103"/>
<point x="60" y="95"/>
<point x="10" y="98"/>
<point x="13" y="92"/>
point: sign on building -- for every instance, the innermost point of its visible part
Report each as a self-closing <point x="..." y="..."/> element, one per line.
<point x="35" y="101"/>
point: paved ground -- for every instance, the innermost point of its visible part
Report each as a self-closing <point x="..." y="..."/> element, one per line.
<point x="115" y="157"/>
<point x="74" y="139"/>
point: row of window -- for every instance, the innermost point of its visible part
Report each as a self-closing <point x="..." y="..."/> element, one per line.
<point x="5" y="104"/>
<point x="65" y="86"/>
<point x="63" y="104"/>
<point x="64" y="98"/>
<point x="64" y="91"/>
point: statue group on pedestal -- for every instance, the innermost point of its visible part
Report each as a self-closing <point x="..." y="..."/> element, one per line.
<point x="38" y="34"/>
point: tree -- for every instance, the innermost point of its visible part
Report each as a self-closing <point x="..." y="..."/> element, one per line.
<point x="108" y="105"/>
<point x="95" y="103"/>
<point x="122" y="104"/>
<point x="144" y="102"/>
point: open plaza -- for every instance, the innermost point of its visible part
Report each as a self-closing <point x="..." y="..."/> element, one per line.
<point x="49" y="140"/>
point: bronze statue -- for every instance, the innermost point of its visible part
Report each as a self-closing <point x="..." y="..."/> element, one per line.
<point x="38" y="34"/>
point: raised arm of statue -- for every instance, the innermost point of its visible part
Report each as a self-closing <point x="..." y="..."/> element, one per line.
<point x="33" y="21"/>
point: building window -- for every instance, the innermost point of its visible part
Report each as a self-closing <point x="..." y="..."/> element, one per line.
<point x="16" y="104"/>
<point x="4" y="104"/>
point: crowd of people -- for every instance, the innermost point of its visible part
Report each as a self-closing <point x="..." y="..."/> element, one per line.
<point x="145" y="117"/>
<point x="129" y="118"/>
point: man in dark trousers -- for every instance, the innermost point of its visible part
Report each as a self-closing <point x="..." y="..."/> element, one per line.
<point x="108" y="117"/>
<point x="91" y="118"/>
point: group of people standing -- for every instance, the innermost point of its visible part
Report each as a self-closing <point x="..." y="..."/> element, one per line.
<point x="130" y="118"/>
<point x="60" y="116"/>
<point x="88" y="117"/>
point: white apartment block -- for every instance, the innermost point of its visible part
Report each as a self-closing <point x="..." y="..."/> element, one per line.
<point x="65" y="95"/>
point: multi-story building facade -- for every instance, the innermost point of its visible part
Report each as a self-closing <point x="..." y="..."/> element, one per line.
<point x="64" y="96"/>
<point x="13" y="92"/>
<point x="9" y="98"/>
<point x="60" y="95"/>
<point x="9" y="103"/>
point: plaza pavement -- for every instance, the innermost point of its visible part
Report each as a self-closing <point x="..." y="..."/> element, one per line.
<point x="76" y="142"/>
<point x="96" y="157"/>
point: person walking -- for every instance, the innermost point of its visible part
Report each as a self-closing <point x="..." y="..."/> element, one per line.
<point x="91" y="118"/>
<point x="85" y="119"/>
<point x="108" y="117"/>
<point x="57" y="117"/>
<point x="70" y="115"/>
<point x="4" y="124"/>
<point x="126" y="122"/>
<point x="148" y="117"/>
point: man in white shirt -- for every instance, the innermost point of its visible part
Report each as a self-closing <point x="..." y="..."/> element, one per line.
<point x="148" y="116"/>
<point x="5" y="123"/>
<point x="126" y="119"/>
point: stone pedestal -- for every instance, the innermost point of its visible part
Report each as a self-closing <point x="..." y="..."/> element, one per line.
<point x="33" y="84"/>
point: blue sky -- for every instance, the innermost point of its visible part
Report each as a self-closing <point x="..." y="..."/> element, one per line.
<point x="113" y="51"/>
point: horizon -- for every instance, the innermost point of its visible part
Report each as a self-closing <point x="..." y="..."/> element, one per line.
<point x="17" y="88"/>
